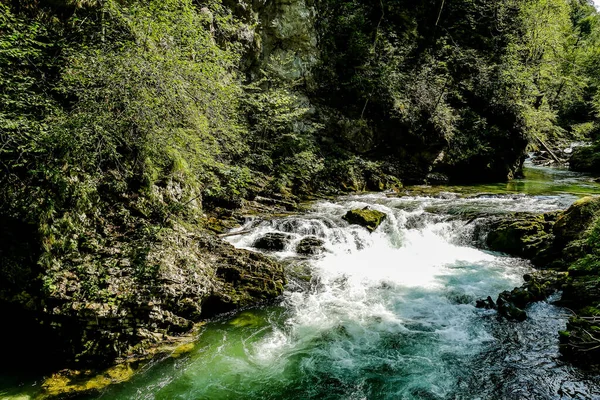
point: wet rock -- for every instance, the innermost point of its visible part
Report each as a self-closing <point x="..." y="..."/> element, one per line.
<point x="523" y="235"/>
<point x="509" y="310"/>
<point x="537" y="287"/>
<point x="567" y="242"/>
<point x="365" y="217"/>
<point x="310" y="246"/>
<point x="487" y="304"/>
<point x="274" y="241"/>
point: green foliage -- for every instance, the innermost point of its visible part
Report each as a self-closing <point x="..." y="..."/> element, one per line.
<point x="589" y="263"/>
<point x="427" y="77"/>
<point x="282" y="128"/>
<point x="115" y="120"/>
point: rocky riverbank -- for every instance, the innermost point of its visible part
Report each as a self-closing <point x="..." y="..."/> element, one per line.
<point x="565" y="248"/>
<point x="123" y="289"/>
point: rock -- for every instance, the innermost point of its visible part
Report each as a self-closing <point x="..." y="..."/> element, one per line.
<point x="580" y="342"/>
<point x="310" y="246"/>
<point x="488" y="303"/>
<point x="573" y="223"/>
<point x="585" y="159"/>
<point x="274" y="241"/>
<point x="570" y="243"/>
<point x="436" y="178"/>
<point x="537" y="287"/>
<point x="524" y="235"/>
<point x="366" y="217"/>
<point x="155" y="288"/>
<point x="508" y="310"/>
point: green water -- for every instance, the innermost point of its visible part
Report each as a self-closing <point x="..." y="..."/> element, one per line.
<point x="388" y="315"/>
<point x="537" y="181"/>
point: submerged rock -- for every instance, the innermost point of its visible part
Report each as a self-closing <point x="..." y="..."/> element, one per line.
<point x="310" y="246"/>
<point x="273" y="241"/>
<point x="365" y="217"/>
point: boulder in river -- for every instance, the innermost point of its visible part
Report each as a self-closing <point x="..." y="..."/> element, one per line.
<point x="488" y="303"/>
<point x="585" y="159"/>
<point x="508" y="309"/>
<point x="273" y="241"/>
<point x="573" y="223"/>
<point x="522" y="234"/>
<point x="365" y="217"/>
<point x="310" y="246"/>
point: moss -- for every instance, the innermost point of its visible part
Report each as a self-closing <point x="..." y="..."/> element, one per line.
<point x="564" y="334"/>
<point x="77" y="382"/>
<point x="183" y="349"/>
<point x="524" y="235"/>
<point x="574" y="223"/>
<point x="366" y="217"/>
<point x="589" y="311"/>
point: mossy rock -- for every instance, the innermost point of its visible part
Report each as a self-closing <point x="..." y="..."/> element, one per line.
<point x="581" y="291"/>
<point x="367" y="218"/>
<point x="182" y="349"/>
<point x="523" y="235"/>
<point x="585" y="159"/>
<point x="574" y="222"/>
<point x="537" y="287"/>
<point x="71" y="383"/>
<point x="579" y="342"/>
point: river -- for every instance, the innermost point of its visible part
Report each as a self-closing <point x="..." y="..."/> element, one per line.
<point x="388" y="314"/>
